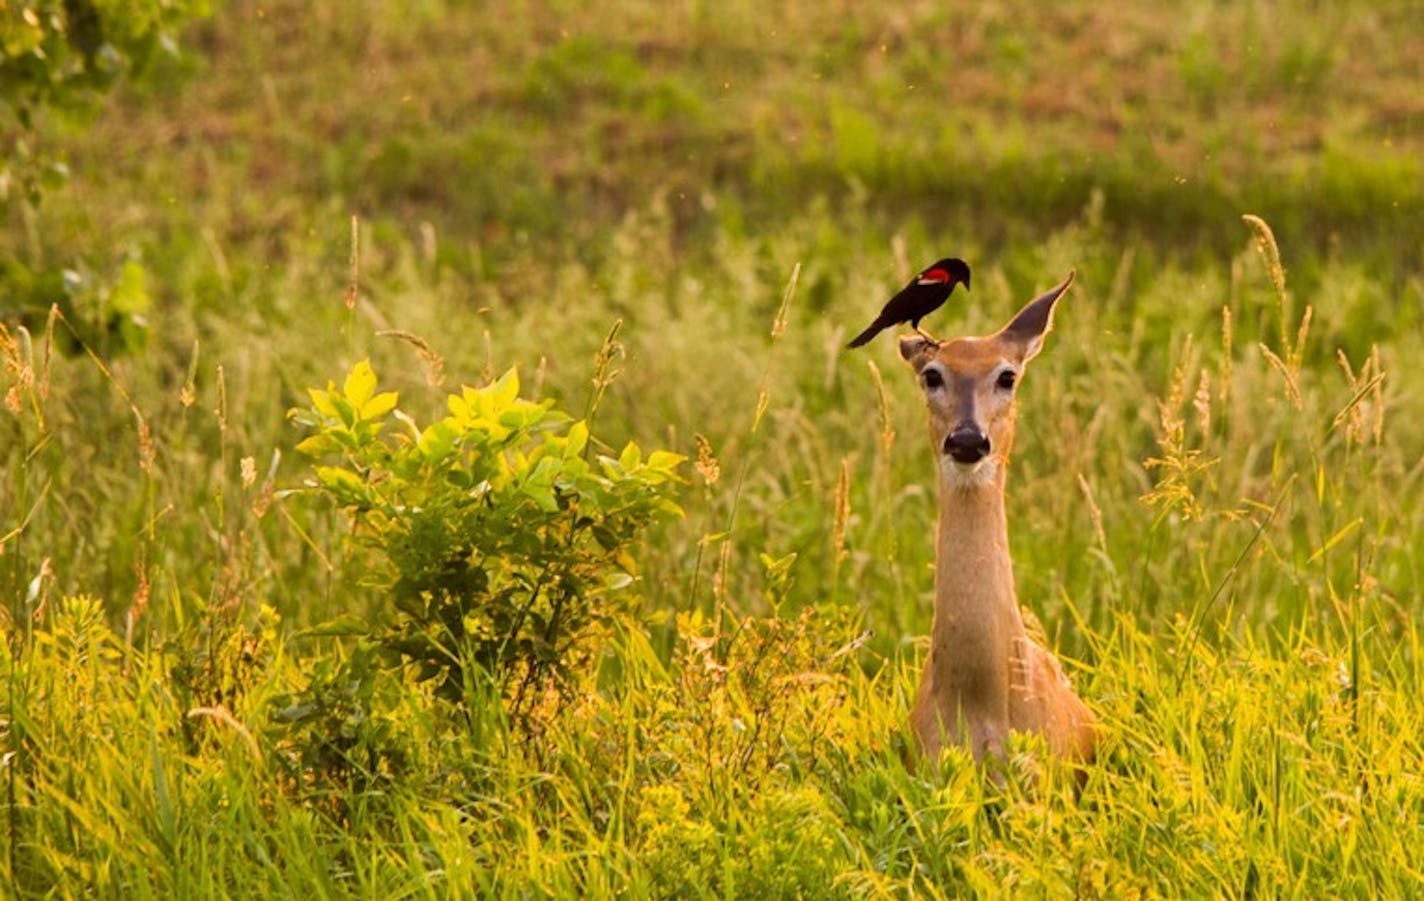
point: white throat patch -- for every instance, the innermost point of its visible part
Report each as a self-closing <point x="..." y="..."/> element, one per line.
<point x="960" y="476"/>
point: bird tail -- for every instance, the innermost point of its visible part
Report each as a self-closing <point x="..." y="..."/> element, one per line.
<point x="864" y="337"/>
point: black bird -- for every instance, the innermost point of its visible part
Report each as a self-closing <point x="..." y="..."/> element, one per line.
<point x="924" y="294"/>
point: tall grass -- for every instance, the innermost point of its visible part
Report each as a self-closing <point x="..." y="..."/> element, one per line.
<point x="1214" y="528"/>
<point x="1213" y="502"/>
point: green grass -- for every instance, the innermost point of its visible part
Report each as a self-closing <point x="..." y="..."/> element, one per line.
<point x="1242" y="613"/>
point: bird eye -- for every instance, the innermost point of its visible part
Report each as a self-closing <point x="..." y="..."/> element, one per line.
<point x="933" y="379"/>
<point x="1006" y="380"/>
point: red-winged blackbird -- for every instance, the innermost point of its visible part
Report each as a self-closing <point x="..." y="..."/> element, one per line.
<point x="921" y="297"/>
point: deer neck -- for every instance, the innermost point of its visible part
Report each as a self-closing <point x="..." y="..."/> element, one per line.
<point x="976" y="616"/>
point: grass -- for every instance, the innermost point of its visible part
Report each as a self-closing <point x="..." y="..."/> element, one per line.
<point x="1213" y="501"/>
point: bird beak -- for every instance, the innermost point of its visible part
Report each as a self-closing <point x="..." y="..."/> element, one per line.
<point x="966" y="283"/>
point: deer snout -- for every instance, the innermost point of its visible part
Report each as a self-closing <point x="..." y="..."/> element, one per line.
<point x="966" y="444"/>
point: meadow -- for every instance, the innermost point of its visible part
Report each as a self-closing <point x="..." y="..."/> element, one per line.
<point x="667" y="220"/>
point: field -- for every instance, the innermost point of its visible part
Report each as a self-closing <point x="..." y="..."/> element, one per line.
<point x="668" y="219"/>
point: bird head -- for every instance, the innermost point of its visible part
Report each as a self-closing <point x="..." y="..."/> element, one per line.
<point x="949" y="271"/>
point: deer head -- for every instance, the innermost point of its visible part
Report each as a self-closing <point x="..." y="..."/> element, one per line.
<point x="970" y="384"/>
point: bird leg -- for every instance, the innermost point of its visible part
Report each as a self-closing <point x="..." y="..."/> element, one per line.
<point x="927" y="336"/>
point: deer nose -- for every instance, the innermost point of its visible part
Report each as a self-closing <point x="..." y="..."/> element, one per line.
<point x="966" y="444"/>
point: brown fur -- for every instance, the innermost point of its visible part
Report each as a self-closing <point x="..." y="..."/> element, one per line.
<point x="985" y="676"/>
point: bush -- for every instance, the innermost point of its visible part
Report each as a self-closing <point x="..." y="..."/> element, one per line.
<point x="64" y="55"/>
<point x="503" y="547"/>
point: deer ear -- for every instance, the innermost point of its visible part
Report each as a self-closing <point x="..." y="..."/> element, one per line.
<point x="913" y="347"/>
<point x="1035" y="320"/>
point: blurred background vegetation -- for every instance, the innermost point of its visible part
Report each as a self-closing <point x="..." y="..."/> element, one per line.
<point x="535" y="171"/>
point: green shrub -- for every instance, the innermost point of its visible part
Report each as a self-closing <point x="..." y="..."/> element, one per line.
<point x="503" y="547"/>
<point x="64" y="55"/>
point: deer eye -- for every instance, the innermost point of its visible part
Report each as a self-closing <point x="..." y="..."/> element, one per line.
<point x="1006" y="379"/>
<point x="933" y="379"/>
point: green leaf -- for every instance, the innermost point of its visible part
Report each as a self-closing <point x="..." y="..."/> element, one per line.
<point x="577" y="439"/>
<point x="776" y="566"/>
<point x="297" y="713"/>
<point x="322" y="401"/>
<point x="342" y="626"/>
<point x="632" y="455"/>
<point x="318" y="445"/>
<point x="344" y="484"/>
<point x="130" y="293"/>
<point x="505" y="389"/>
<point x="360" y="384"/>
<point x="543" y="495"/>
<point x="379" y="405"/>
<point x="522" y="414"/>
<point x="437" y="442"/>
<point x="345" y="412"/>
<point x="605" y="537"/>
<point x="665" y="461"/>
<point x="460" y="406"/>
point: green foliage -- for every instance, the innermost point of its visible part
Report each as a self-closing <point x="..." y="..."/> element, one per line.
<point x="65" y="53"/>
<point x="1213" y="502"/>
<point x="505" y="548"/>
<point x="109" y="316"/>
<point x="339" y="735"/>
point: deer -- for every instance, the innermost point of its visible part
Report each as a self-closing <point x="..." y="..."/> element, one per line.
<point x="985" y="676"/>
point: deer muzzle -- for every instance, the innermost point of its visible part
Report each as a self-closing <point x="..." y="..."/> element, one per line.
<point x="966" y="444"/>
